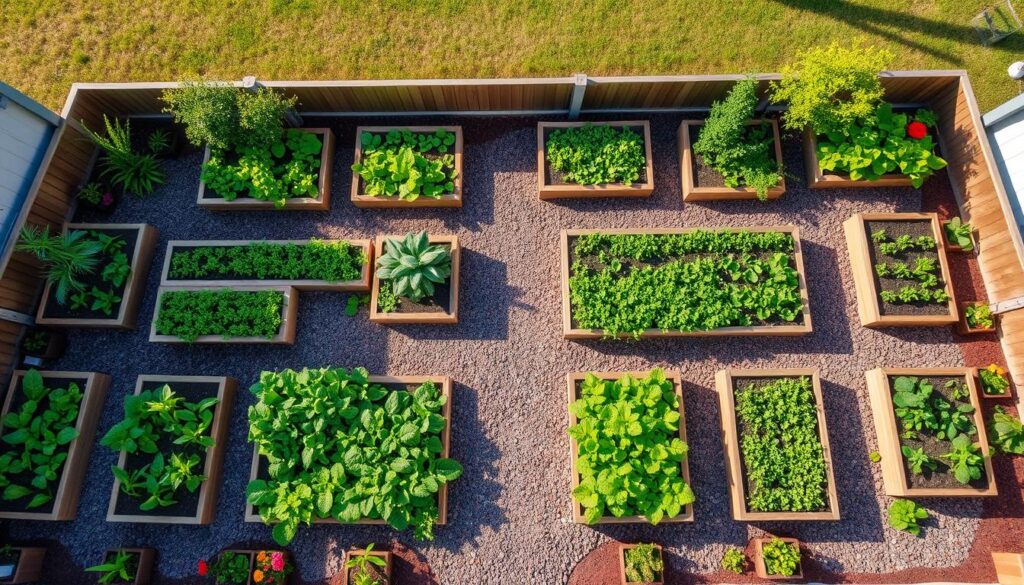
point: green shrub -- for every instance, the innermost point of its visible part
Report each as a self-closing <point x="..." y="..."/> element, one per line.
<point x="734" y="560"/>
<point x="227" y="117"/>
<point x="1006" y="432"/>
<point x="396" y="164"/>
<point x="905" y="514"/>
<point x="138" y="174"/>
<point x="316" y="260"/>
<point x="781" y="558"/>
<point x="190" y="314"/>
<point x="643" y="564"/>
<point x="597" y="154"/>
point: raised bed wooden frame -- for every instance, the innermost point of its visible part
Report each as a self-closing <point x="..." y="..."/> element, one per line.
<point x="963" y="328"/>
<point x="65" y="500"/>
<point x="759" y="565"/>
<point x="131" y="296"/>
<point x="355" y="552"/>
<point x="817" y="179"/>
<point x="362" y="284"/>
<point x="577" y="509"/>
<point x="868" y="303"/>
<point x="433" y="318"/>
<point x="29" y="568"/>
<point x="286" y="336"/>
<point x="547" y="190"/>
<point x="622" y="565"/>
<point x="212" y="465"/>
<point x="982" y="395"/>
<point x="453" y="199"/>
<point x="894" y="478"/>
<point x="320" y="203"/>
<point x="686" y="164"/>
<point x="251" y="553"/>
<point x="570" y="332"/>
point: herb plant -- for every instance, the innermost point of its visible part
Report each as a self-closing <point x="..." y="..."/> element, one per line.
<point x="119" y="569"/>
<point x="363" y="567"/>
<point x="979" y="316"/>
<point x="91" y="193"/>
<point x="1006" y="432"/>
<point x="406" y="164"/>
<point x="35" y="342"/>
<point x="190" y="314"/>
<point x="993" y="380"/>
<point x="316" y="260"/>
<point x="597" y="154"/>
<point x="905" y="514"/>
<point x="781" y="557"/>
<point x="412" y="266"/>
<point x="643" y="563"/>
<point x="959" y="233"/>
<point x="230" y="568"/>
<point x="159" y="142"/>
<point x="913" y="260"/>
<point x="138" y="174"/>
<point x="734" y="560"/>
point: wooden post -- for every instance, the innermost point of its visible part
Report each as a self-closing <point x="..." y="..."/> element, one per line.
<point x="576" y="99"/>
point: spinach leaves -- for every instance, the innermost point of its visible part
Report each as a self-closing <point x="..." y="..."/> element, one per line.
<point x="597" y="154"/>
<point x="403" y="164"/>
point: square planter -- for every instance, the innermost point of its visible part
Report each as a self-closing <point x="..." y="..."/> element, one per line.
<point x="361" y="284"/>
<point x="320" y="203"/>
<point x="981" y="390"/>
<point x="952" y="246"/>
<point x="726" y="382"/>
<point x="193" y="388"/>
<point x="895" y="476"/>
<point x="356" y="552"/>
<point x="285" y="336"/>
<point x="251" y="554"/>
<point x="29" y="565"/>
<point x="687" y="136"/>
<point x="403" y="383"/>
<point x="56" y="342"/>
<point x="140" y="241"/>
<point x="1009" y="568"/>
<point x="622" y="566"/>
<point x="454" y="199"/>
<point x="870" y="308"/>
<point x="436" y="314"/>
<point x="963" y="328"/>
<point x="549" y="189"/>
<point x="759" y="565"/>
<point x="817" y="179"/>
<point x="573" y="382"/>
<point x="570" y="330"/>
<point x="144" y="570"/>
<point x="64" y="505"/>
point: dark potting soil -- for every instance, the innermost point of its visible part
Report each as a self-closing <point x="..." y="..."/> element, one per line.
<point x="55" y="310"/>
<point x="432" y="155"/>
<point x="353" y="250"/>
<point x="440" y="302"/>
<point x="231" y="158"/>
<point x="554" y="176"/>
<point x="895" y="229"/>
<point x="703" y="175"/>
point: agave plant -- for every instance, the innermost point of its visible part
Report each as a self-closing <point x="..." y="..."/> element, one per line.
<point x="65" y="257"/>
<point x="412" y="266"/>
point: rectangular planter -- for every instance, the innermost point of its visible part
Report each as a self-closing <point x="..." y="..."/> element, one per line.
<point x="688" y="162"/>
<point x="131" y="296"/>
<point x="356" y="552"/>
<point x="29" y="567"/>
<point x="816" y="179"/>
<point x="894" y="476"/>
<point x="549" y="190"/>
<point x="981" y="390"/>
<point x="868" y="302"/>
<point x="146" y="556"/>
<point x="445" y="384"/>
<point x="963" y="328"/>
<point x="759" y="565"/>
<point x="725" y="384"/>
<point x="362" y="284"/>
<point x="572" y="380"/>
<point x="450" y="317"/>
<point x="206" y="507"/>
<point x="64" y="505"/>
<point x="252" y="559"/>
<point x="570" y="331"/>
<point x="454" y="199"/>
<point x="320" y="203"/>
<point x="952" y="247"/>
<point x="286" y="336"/>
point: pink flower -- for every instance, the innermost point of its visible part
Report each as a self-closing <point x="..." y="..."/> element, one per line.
<point x="107" y="199"/>
<point x="277" y="561"/>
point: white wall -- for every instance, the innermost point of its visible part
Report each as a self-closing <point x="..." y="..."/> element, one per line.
<point x="1005" y="129"/>
<point x="24" y="136"/>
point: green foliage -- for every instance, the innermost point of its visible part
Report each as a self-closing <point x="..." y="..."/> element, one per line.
<point x="412" y="266"/>
<point x="138" y="174"/>
<point x="698" y="281"/>
<point x="628" y="448"/>
<point x="407" y="164"/>
<point x="338" y="446"/>
<point x="387" y="300"/>
<point x="979" y="316"/>
<point x="965" y="459"/>
<point x="230" y="568"/>
<point x="927" y="286"/>
<point x="159" y="142"/>
<point x="65" y="257"/>
<point x="121" y="568"/>
<point x="361" y="567"/>
<point x="875" y="456"/>
<point x="783" y="457"/>
<point x="189" y="314"/>
<point x="734" y="560"/>
<point x="959" y="233"/>
<point x="923" y="410"/>
<point x="993" y="380"/>
<point x="781" y="558"/>
<point x="284" y="168"/>
<point x="104" y="301"/>
<point x="905" y="514"/>
<point x="35" y="440"/>
<point x="918" y="461"/>
<point x="643" y="564"/>
<point x="91" y="193"/>
<point x="316" y="260"/>
<point x="117" y="270"/>
<point x="744" y="154"/>
<point x="1006" y="433"/>
<point x="226" y="117"/>
<point x="35" y="342"/>
<point x="355" y="301"/>
<point x="597" y="154"/>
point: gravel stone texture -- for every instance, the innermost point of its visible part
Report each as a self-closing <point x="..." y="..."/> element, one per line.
<point x="509" y="514"/>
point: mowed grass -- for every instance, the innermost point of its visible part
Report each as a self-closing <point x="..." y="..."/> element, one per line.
<point x="45" y="45"/>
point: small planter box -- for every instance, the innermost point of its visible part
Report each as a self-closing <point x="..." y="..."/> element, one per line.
<point x="622" y="566"/>
<point x="759" y="566"/>
<point x="258" y="469"/>
<point x="212" y="201"/>
<point x="549" y="189"/>
<point x="454" y="199"/>
<point x="687" y="136"/>
<point x="816" y="179"/>
<point x="445" y="312"/>
<point x="140" y="240"/>
<point x="726" y="382"/>
<point x="251" y="554"/>
<point x="144" y="558"/>
<point x="872" y="310"/>
<point x="28" y="568"/>
<point x="362" y="284"/>
<point x="346" y="579"/>
<point x="571" y="331"/>
<point x="56" y="342"/>
<point x="975" y="373"/>
<point x="203" y="500"/>
<point x="895" y="476"/>
<point x="64" y="505"/>
<point x="573" y="382"/>
<point x="1009" y="568"/>
<point x="286" y="336"/>
<point x="953" y="246"/>
<point x="963" y="328"/>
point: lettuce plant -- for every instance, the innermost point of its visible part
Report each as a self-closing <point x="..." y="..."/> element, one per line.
<point x="406" y="164"/>
<point x="643" y="564"/>
<point x="781" y="557"/>
<point x="277" y="172"/>
<point x="905" y="514"/>
<point x="597" y="154"/>
<point x="1006" y="432"/>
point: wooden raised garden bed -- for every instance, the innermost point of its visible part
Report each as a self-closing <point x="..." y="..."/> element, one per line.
<point x="550" y="186"/>
<point x="704" y="184"/>
<point x="817" y="179"/>
<point x="210" y="200"/>
<point x="140" y="239"/>
<point x="200" y="506"/>
<point x="64" y="505"/>
<point x="964" y="328"/>
<point x="573" y="381"/>
<point x="441" y="309"/>
<point x="251" y="555"/>
<point x="361" y="284"/>
<point x="622" y="566"/>
<point x="759" y="566"/>
<point x="454" y="199"/>
<point x="865" y="253"/>
<point x="144" y="558"/>
<point x="726" y="383"/>
<point x="285" y="336"/>
<point x="28" y="564"/>
<point x="382" y="572"/>
<point x="897" y="479"/>
<point x="571" y="329"/>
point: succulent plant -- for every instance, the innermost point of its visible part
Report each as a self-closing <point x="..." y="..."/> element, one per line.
<point x="412" y="266"/>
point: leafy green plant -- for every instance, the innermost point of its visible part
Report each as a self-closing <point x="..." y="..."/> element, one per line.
<point x="628" y="448"/>
<point x="363" y="567"/>
<point x="925" y="273"/>
<point x="317" y="260"/>
<point x="921" y="409"/>
<point x="781" y="557"/>
<point x="230" y="568"/>
<point x="742" y="153"/>
<point x="734" y="560"/>
<point x="412" y="265"/>
<point x="278" y="171"/>
<point x="355" y="301"/>
<point x="65" y="257"/>
<point x="406" y="164"/>
<point x="1006" y="432"/>
<point x="643" y="563"/>
<point x="104" y="301"/>
<point x="227" y="117"/>
<point x="965" y="459"/>
<point x="959" y="233"/>
<point x="905" y="514"/>
<point x="387" y="300"/>
<point x="117" y="270"/>
<point x="597" y="154"/>
<point x="91" y="193"/>
<point x="138" y="174"/>
<point x="190" y="314"/>
<point x="159" y="142"/>
<point x="979" y="316"/>
<point x="35" y="342"/>
<point x="918" y="461"/>
<point x="993" y="380"/>
<point x="120" y="567"/>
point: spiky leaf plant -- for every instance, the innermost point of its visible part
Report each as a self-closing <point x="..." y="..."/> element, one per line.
<point x="65" y="257"/>
<point x="413" y="266"/>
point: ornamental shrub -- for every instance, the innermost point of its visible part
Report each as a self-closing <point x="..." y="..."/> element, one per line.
<point x="226" y="117"/>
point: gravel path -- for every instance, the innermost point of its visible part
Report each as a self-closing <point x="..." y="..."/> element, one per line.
<point x="509" y="513"/>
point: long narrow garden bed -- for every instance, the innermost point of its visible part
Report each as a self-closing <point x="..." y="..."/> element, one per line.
<point x="241" y="314"/>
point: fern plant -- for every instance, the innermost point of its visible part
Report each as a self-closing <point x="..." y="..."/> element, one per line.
<point x="65" y="257"/>
<point x="138" y="174"/>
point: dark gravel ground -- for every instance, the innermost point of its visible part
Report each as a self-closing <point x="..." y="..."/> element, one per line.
<point x="509" y="514"/>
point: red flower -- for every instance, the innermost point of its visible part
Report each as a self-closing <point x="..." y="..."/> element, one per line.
<point x="917" y="130"/>
<point x="203" y="568"/>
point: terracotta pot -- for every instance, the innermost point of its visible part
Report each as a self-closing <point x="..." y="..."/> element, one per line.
<point x="759" y="565"/>
<point x="28" y="567"/>
<point x="622" y="566"/>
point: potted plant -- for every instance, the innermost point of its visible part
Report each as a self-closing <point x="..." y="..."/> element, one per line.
<point x="20" y="564"/>
<point x="367" y="567"/>
<point x="641" y="563"/>
<point x="777" y="558"/>
<point x="993" y="382"/>
<point x="96" y="196"/>
<point x="976" y="317"/>
<point x="959" y="236"/>
<point x="42" y="345"/>
<point x="130" y="566"/>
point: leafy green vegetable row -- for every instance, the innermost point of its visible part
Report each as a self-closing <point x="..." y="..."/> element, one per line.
<point x="317" y="260"/>
<point x="281" y="170"/>
<point x="190" y="314"/>
<point x="406" y="164"/>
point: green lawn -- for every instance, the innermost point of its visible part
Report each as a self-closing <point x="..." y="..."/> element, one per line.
<point x="48" y="44"/>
